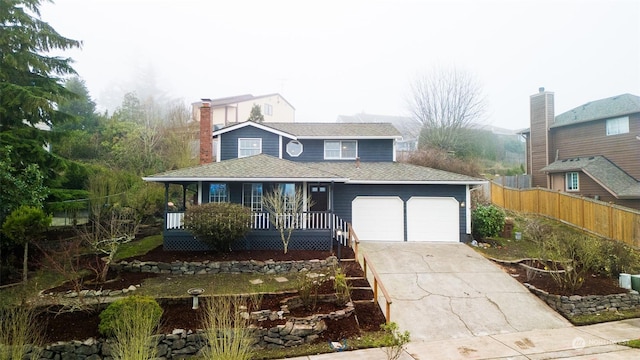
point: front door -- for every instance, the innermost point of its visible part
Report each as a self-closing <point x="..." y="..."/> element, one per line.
<point x="319" y="195"/>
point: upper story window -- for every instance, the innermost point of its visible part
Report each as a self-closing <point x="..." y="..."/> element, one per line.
<point x="340" y="149"/>
<point x="249" y="146"/>
<point x="252" y="196"/>
<point x="294" y="148"/>
<point x="218" y="193"/>
<point x="618" y="126"/>
<point x="267" y="109"/>
<point x="572" y="180"/>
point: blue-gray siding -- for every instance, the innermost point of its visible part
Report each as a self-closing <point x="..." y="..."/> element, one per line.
<point x="229" y="142"/>
<point x="368" y="150"/>
<point x="344" y="195"/>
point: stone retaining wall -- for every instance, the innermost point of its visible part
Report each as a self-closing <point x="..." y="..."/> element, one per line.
<point x="183" y="344"/>
<point x="575" y="305"/>
<point x="216" y="267"/>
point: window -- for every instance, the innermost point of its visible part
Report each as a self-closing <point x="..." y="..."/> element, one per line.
<point x="618" y="126"/>
<point x="294" y="148"/>
<point x="289" y="196"/>
<point x="218" y="193"/>
<point x="252" y="196"/>
<point x="267" y="109"/>
<point x="572" y="181"/>
<point x="340" y="149"/>
<point x="249" y="146"/>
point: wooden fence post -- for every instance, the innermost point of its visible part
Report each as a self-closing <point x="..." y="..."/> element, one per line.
<point x="610" y="220"/>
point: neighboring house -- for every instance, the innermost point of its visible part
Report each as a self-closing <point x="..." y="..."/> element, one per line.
<point x="408" y="127"/>
<point x="235" y="109"/>
<point x="349" y="172"/>
<point x="592" y="150"/>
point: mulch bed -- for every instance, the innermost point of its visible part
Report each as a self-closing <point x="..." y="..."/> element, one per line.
<point x="80" y="325"/>
<point x="593" y="285"/>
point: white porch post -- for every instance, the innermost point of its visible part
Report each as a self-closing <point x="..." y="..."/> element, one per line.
<point x="200" y="192"/>
<point x="305" y="205"/>
<point x="468" y="209"/>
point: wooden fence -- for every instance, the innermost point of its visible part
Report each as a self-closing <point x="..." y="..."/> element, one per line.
<point x="603" y="219"/>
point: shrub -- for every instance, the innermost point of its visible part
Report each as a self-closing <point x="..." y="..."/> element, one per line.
<point x="19" y="332"/>
<point x="574" y="254"/>
<point x="443" y="160"/>
<point x="615" y="257"/>
<point x="218" y="224"/>
<point x="394" y="340"/>
<point x="226" y="327"/>
<point x="537" y="230"/>
<point x="487" y="221"/>
<point x="120" y="314"/>
<point x="308" y="286"/>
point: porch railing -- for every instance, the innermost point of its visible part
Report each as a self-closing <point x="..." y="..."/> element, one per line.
<point x="308" y="220"/>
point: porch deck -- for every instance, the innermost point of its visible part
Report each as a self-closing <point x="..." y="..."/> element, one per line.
<point x="313" y="231"/>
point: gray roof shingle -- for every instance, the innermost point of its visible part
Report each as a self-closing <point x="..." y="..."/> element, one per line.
<point x="335" y="130"/>
<point x="265" y="167"/>
<point x="603" y="171"/>
<point x="620" y="105"/>
<point x="259" y="166"/>
<point x="408" y="127"/>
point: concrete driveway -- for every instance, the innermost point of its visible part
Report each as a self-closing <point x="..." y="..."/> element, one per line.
<point x="448" y="291"/>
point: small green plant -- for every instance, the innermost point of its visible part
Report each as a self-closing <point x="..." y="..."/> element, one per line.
<point x="226" y="327"/>
<point x="308" y="286"/>
<point x="218" y="224"/>
<point x="487" y="221"/>
<point x="394" y="340"/>
<point x="19" y="334"/>
<point x="341" y="286"/>
<point x="113" y="317"/>
<point x="132" y="321"/>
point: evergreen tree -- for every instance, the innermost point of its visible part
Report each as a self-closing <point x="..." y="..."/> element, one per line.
<point x="256" y="114"/>
<point x="31" y="83"/>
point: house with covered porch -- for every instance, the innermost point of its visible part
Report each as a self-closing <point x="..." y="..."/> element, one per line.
<point x="347" y="170"/>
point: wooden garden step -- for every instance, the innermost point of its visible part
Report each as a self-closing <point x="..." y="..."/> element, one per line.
<point x="360" y="287"/>
<point x="356" y="278"/>
<point x="362" y="301"/>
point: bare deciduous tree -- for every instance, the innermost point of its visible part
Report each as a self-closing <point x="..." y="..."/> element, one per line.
<point x="447" y="101"/>
<point x="286" y="211"/>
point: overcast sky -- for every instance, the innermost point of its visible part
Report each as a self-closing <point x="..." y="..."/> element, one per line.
<point x="330" y="58"/>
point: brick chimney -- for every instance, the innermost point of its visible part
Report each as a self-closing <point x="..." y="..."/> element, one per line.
<point x="206" y="138"/>
<point x="539" y="153"/>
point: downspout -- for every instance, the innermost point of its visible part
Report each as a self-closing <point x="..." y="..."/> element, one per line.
<point x="332" y="220"/>
<point x="166" y="205"/>
<point x="467" y="214"/>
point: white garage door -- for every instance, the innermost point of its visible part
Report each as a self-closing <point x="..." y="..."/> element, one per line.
<point x="378" y="218"/>
<point x="433" y="219"/>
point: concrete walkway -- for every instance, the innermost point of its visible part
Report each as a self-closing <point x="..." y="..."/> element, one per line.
<point x="459" y="305"/>
<point x="593" y="342"/>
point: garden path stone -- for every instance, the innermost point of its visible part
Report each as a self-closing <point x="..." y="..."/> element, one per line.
<point x="281" y="279"/>
<point x="256" y="281"/>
